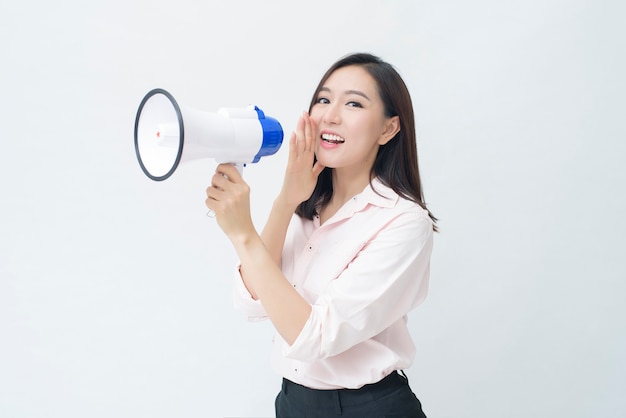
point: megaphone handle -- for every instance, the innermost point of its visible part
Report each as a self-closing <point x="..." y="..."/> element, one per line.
<point x="239" y="167"/>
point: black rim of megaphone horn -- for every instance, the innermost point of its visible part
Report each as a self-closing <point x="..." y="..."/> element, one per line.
<point x="181" y="133"/>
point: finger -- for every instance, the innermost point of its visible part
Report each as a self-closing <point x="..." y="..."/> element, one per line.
<point x="214" y="193"/>
<point x="300" y="138"/>
<point x="317" y="169"/>
<point x="292" y="144"/>
<point x="220" y="181"/>
<point x="313" y="134"/>
<point x="215" y="208"/>
<point x="307" y="132"/>
<point x="230" y="171"/>
<point x="209" y="203"/>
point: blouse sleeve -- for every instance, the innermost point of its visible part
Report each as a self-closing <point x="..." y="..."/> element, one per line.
<point x="243" y="300"/>
<point x="386" y="280"/>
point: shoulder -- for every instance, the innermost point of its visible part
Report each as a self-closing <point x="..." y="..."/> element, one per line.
<point x="387" y="211"/>
<point x="387" y="197"/>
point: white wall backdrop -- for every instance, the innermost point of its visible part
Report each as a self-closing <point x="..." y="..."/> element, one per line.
<point x="114" y="290"/>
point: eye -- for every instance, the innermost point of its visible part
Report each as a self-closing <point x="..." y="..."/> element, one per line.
<point x="354" y="104"/>
<point x="322" y="100"/>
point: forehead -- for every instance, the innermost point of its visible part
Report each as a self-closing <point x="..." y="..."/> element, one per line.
<point x="350" y="78"/>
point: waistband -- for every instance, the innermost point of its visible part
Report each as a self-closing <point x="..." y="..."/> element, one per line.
<point x="346" y="397"/>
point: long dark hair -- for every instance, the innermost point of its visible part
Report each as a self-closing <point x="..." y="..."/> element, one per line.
<point x="396" y="164"/>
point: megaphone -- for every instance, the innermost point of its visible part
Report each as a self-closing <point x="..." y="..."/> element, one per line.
<point x="166" y="135"/>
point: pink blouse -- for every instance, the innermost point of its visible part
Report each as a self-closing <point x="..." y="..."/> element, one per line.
<point x="362" y="271"/>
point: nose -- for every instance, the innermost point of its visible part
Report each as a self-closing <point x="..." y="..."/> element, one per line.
<point x="332" y="114"/>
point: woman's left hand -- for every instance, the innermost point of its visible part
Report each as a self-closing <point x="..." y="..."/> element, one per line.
<point x="229" y="198"/>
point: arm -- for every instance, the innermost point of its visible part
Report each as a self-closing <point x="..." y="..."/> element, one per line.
<point x="287" y="310"/>
<point x="298" y="184"/>
<point x="229" y="198"/>
<point x="275" y="230"/>
<point x="272" y="238"/>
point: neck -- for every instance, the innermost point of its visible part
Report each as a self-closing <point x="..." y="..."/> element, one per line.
<point x="345" y="187"/>
<point x="347" y="184"/>
<point x="344" y="190"/>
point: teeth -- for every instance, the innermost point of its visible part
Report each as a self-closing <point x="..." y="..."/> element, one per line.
<point x="332" y="138"/>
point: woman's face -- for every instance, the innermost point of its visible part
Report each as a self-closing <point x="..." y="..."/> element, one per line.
<point x="351" y="121"/>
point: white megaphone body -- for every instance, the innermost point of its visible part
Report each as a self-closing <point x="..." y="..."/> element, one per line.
<point x="166" y="135"/>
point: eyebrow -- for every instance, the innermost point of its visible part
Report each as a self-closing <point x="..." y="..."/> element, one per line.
<point x="357" y="92"/>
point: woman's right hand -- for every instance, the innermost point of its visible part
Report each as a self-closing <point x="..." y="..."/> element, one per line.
<point x="301" y="175"/>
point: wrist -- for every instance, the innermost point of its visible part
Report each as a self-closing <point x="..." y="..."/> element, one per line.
<point x="283" y="203"/>
<point x="244" y="239"/>
<point x="249" y="248"/>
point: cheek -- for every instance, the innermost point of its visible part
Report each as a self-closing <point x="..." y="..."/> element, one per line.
<point x="315" y="115"/>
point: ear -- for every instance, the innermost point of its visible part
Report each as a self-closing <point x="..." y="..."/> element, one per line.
<point x="392" y="127"/>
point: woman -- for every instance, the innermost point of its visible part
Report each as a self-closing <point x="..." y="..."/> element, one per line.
<point x="345" y="253"/>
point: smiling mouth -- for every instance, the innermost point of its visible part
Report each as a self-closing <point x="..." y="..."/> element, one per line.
<point x="332" y="139"/>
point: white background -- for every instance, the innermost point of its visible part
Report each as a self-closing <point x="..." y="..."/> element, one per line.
<point x="114" y="290"/>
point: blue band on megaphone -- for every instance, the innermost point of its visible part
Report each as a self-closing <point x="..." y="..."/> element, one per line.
<point x="272" y="135"/>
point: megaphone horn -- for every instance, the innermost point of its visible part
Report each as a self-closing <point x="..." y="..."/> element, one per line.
<point x="166" y="135"/>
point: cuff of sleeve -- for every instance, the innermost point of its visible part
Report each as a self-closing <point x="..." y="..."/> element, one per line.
<point x="243" y="300"/>
<point x="308" y="344"/>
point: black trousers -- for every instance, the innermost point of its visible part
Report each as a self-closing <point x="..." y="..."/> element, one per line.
<point x="391" y="397"/>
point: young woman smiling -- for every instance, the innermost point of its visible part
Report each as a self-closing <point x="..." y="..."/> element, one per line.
<point x="345" y="253"/>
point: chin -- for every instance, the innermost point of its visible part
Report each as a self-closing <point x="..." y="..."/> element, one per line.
<point x="326" y="162"/>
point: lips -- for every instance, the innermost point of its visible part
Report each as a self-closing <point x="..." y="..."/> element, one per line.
<point x="332" y="138"/>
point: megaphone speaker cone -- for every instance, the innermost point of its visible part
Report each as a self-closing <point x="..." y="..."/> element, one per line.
<point x="159" y="134"/>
